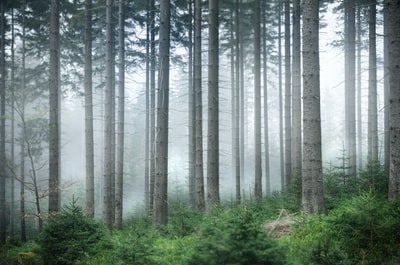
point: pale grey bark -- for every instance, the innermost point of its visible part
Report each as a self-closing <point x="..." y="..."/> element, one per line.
<point x="3" y="225"/>
<point x="359" y="90"/>
<point x="22" y="138"/>
<point x="119" y="174"/>
<point x="107" y="193"/>
<point x="54" y="99"/>
<point x="237" y="144"/>
<point x="386" y="93"/>
<point x="12" y="158"/>
<point x="393" y="30"/>
<point x="350" y="86"/>
<point x="267" y="174"/>
<point x="372" y="88"/>
<point x="199" y="171"/>
<point x="312" y="188"/>
<point x="160" y="207"/>
<point x="89" y="142"/>
<point x="147" y="122"/>
<point x="281" y="140"/>
<point x="288" y="92"/>
<point x="213" y="106"/>
<point x="257" y="101"/>
<point x="296" y="91"/>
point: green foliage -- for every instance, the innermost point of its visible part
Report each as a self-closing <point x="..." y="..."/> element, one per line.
<point x="173" y="251"/>
<point x="362" y="230"/>
<point x="233" y="237"/>
<point x="13" y="253"/>
<point x="70" y="235"/>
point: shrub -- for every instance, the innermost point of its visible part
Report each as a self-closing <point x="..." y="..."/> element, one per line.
<point x="69" y="236"/>
<point x="233" y="237"/>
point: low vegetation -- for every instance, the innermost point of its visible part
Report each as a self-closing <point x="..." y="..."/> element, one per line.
<point x="361" y="227"/>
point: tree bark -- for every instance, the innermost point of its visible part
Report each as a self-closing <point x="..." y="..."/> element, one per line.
<point x="257" y="101"/>
<point x="237" y="108"/>
<point x="213" y="107"/>
<point x="160" y="209"/>
<point x="199" y="163"/>
<point x="54" y="125"/>
<point x="393" y="22"/>
<point x="3" y="225"/>
<point x="89" y="141"/>
<point x="119" y="175"/>
<point x="312" y="188"/>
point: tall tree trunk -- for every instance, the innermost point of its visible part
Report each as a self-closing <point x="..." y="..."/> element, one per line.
<point x="281" y="145"/>
<point x="359" y="88"/>
<point x="2" y="124"/>
<point x="350" y="86"/>
<point x="265" y="90"/>
<point x="296" y="91"/>
<point x="119" y="175"/>
<point x="372" y="90"/>
<point x="22" y="139"/>
<point x="312" y="188"/>
<point x="107" y="200"/>
<point x="237" y="97"/>
<point x="89" y="141"/>
<point x="12" y="160"/>
<point x="147" y="130"/>
<point x="192" y="113"/>
<point x="199" y="171"/>
<point x="152" y="104"/>
<point x="54" y="125"/>
<point x="288" y="107"/>
<point x="160" y="209"/>
<point x="213" y="106"/>
<point x="386" y="96"/>
<point x="393" y="30"/>
<point x="257" y="101"/>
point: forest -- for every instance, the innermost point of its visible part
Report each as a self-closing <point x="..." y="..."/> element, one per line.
<point x="200" y="132"/>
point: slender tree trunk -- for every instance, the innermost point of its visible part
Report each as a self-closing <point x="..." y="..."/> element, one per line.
<point x="160" y="209"/>
<point x="192" y="113"/>
<point x="119" y="176"/>
<point x="213" y="107"/>
<point x="147" y="132"/>
<point x="3" y="224"/>
<point x="288" y="107"/>
<point x="22" y="139"/>
<point x="152" y="104"/>
<point x="281" y="145"/>
<point x="386" y="88"/>
<point x="372" y="90"/>
<point x="312" y="188"/>
<point x="89" y="142"/>
<point x="199" y="171"/>
<point x="296" y="91"/>
<point x="257" y="101"/>
<point x="359" y="89"/>
<point x="54" y="125"/>
<point x="393" y="30"/>
<point x="265" y="90"/>
<point x="350" y="86"/>
<point x="12" y="195"/>
<point x="237" y="97"/>
<point x="107" y="200"/>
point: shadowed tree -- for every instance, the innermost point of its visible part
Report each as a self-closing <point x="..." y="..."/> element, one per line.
<point x="2" y="129"/>
<point x="160" y="207"/>
<point x="393" y="31"/>
<point x="312" y="187"/>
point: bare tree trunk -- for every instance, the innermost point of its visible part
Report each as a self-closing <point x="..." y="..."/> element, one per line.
<point x="372" y="90"/>
<point x="54" y="125"/>
<point x="266" y="124"/>
<point x="3" y="224"/>
<point x="160" y="208"/>
<point x="89" y="142"/>
<point x="237" y="97"/>
<point x="386" y="88"/>
<point x="359" y="89"/>
<point x="12" y="160"/>
<point x="199" y="171"/>
<point x="213" y="107"/>
<point x="119" y="175"/>
<point x="192" y="113"/>
<point x="312" y="188"/>
<point x="281" y="145"/>
<point x="257" y="102"/>
<point x="147" y="130"/>
<point x="296" y="91"/>
<point x="350" y="86"/>
<point x="288" y="107"/>
<point x="393" y="30"/>
<point x="107" y="200"/>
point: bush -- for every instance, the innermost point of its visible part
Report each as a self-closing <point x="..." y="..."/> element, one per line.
<point x="233" y="237"/>
<point x="69" y="236"/>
